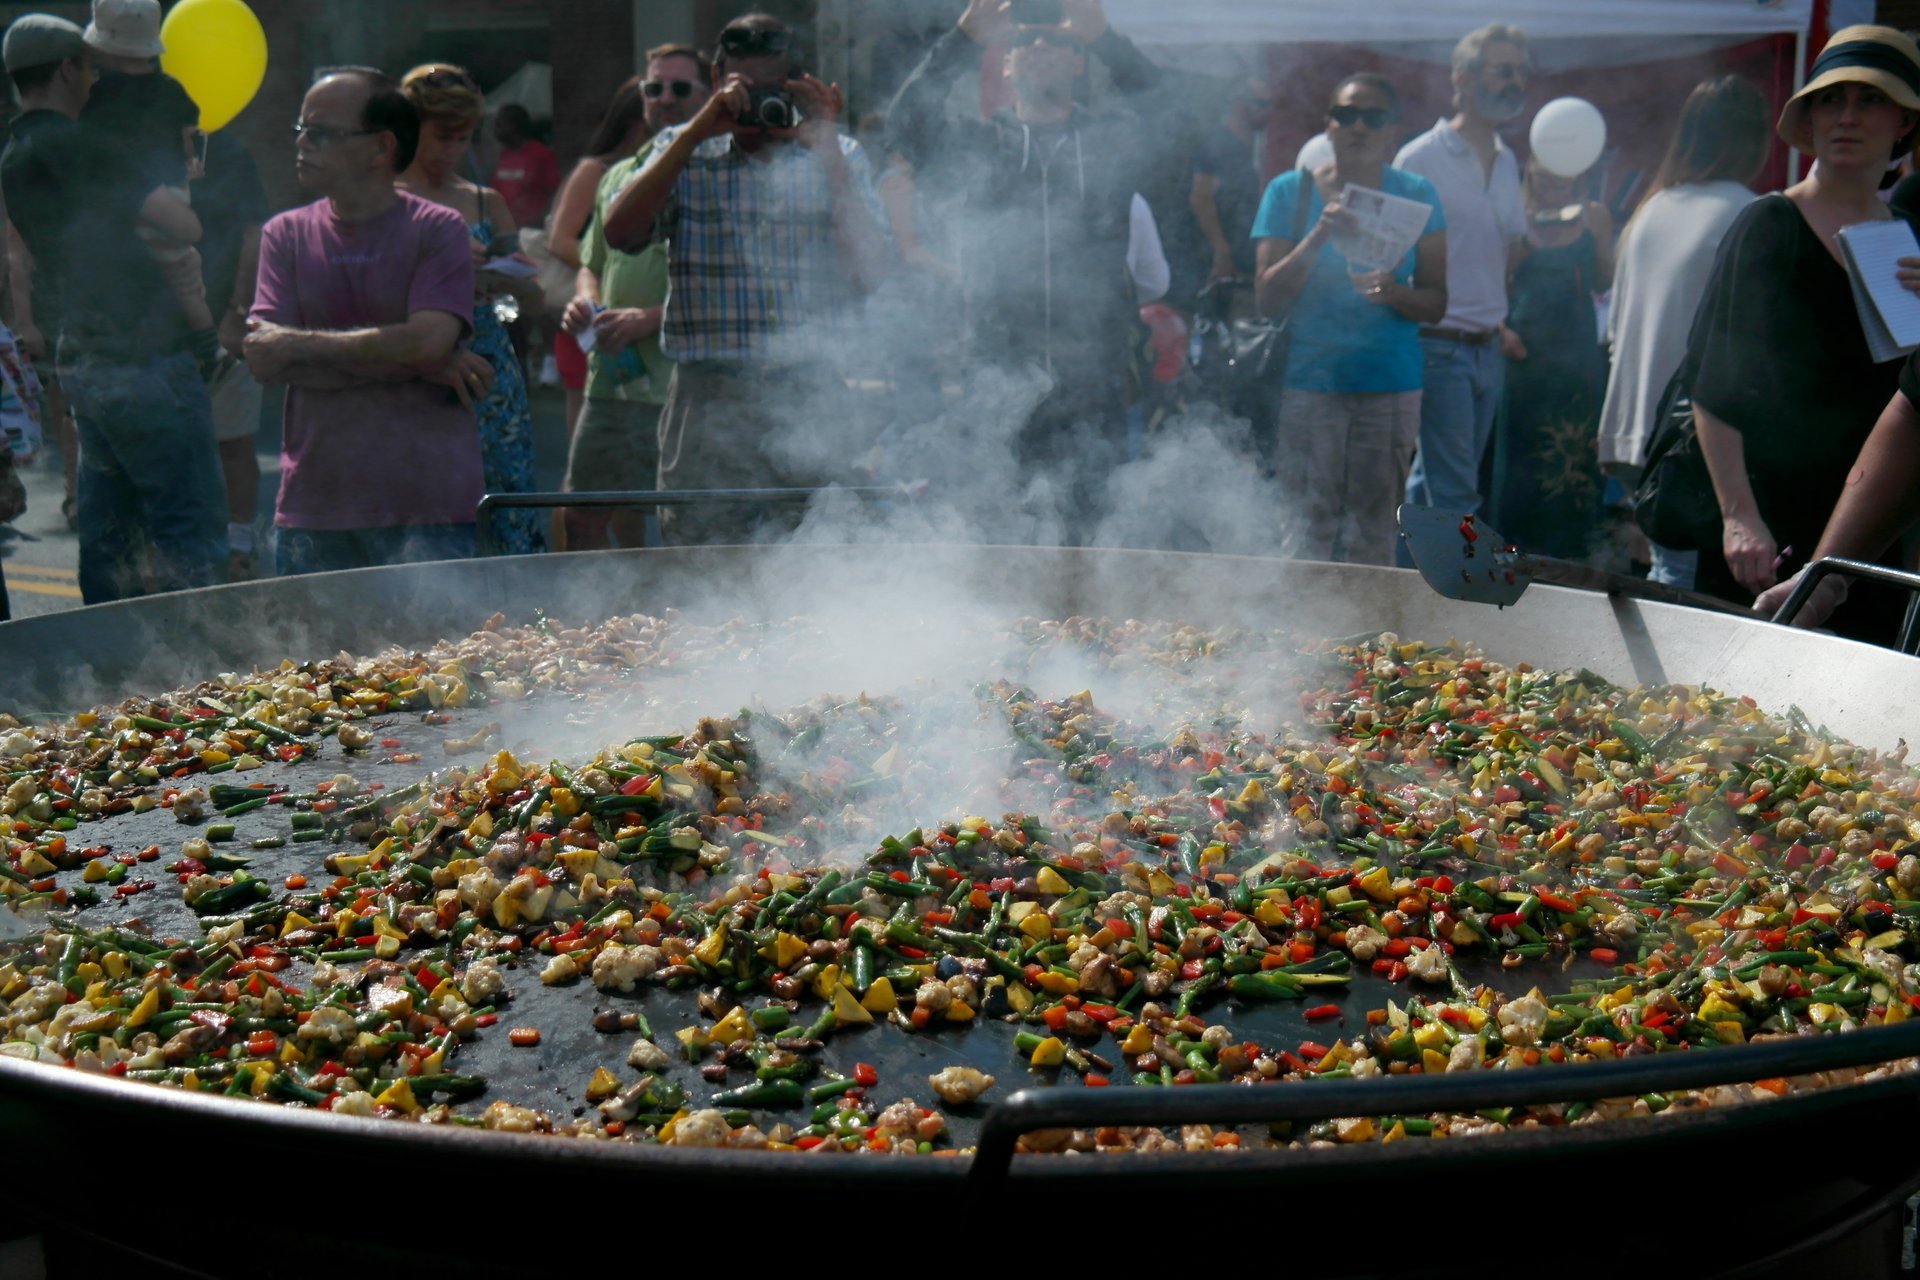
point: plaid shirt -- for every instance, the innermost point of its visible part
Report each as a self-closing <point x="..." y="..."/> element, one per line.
<point x="753" y="268"/>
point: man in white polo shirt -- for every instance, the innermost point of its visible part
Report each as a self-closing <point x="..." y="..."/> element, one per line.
<point x="1479" y="185"/>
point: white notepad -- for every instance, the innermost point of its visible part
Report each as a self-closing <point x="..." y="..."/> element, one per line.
<point x="1888" y="312"/>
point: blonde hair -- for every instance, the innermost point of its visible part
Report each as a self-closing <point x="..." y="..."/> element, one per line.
<point x="444" y="94"/>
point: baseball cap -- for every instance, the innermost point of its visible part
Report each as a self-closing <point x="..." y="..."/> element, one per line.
<point x="38" y="39"/>
<point x="126" y="28"/>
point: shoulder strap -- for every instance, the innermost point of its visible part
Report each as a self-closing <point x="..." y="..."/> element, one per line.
<point x="1300" y="205"/>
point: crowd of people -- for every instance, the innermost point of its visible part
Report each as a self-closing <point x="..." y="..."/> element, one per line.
<point x="718" y="271"/>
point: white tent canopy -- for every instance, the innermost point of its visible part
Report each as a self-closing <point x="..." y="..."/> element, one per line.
<point x="1218" y="22"/>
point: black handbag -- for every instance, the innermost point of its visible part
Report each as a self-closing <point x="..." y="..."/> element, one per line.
<point x="1675" y="504"/>
<point x="1241" y="362"/>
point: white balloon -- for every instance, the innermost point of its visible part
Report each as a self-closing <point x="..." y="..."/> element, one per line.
<point x="1568" y="135"/>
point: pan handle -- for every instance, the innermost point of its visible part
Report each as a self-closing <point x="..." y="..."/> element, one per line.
<point x="1058" y="1108"/>
<point x="1909" y="641"/>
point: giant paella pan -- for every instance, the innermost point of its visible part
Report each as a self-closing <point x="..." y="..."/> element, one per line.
<point x="833" y="875"/>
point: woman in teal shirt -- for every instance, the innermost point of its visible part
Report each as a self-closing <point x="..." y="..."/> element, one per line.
<point x="1349" y="413"/>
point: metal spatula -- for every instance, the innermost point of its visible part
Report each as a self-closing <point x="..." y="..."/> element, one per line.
<point x="1465" y="558"/>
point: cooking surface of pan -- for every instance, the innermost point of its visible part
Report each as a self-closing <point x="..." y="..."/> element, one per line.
<point x="66" y="661"/>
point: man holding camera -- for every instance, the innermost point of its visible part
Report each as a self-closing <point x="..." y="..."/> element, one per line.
<point x="1049" y="190"/>
<point x="774" y="235"/>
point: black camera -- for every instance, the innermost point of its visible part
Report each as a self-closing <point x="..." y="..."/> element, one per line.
<point x="770" y="108"/>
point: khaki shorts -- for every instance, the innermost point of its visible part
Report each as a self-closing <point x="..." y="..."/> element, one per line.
<point x="236" y="403"/>
<point x="1345" y="457"/>
<point x="615" y="446"/>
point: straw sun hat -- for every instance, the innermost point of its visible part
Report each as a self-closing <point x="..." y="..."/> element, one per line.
<point x="1879" y="56"/>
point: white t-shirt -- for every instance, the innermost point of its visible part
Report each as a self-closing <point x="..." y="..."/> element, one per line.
<point x="1665" y="258"/>
<point x="1484" y="217"/>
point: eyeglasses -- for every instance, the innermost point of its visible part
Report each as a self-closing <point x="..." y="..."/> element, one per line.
<point x="660" y="88"/>
<point x="1347" y="117"/>
<point x="321" y="135"/>
<point x="739" y="42"/>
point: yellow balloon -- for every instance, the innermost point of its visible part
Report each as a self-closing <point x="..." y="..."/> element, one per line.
<point x="217" y="50"/>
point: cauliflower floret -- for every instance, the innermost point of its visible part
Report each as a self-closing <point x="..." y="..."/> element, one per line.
<point x="1364" y="943"/>
<point x="706" y="1128"/>
<point x="1465" y="1056"/>
<point x="221" y="935"/>
<point x="482" y="981"/>
<point x="934" y="997"/>
<point x="335" y="1026"/>
<point x="353" y="1104"/>
<point x="479" y="888"/>
<point x="1522" y="1020"/>
<point x="560" y="969"/>
<point x="190" y="805"/>
<point x="344" y="784"/>
<point x="199" y="887"/>
<point x="958" y="1086"/>
<point x="648" y="1056"/>
<point x="1428" y="964"/>
<point x="619" y="968"/>
<point x="1907" y="874"/>
<point x="352" y="737"/>
<point x="509" y="1118"/>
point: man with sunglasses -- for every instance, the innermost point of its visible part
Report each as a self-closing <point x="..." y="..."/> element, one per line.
<point x="622" y="298"/>
<point x="773" y="239"/>
<point x="151" y="511"/>
<point x="1048" y="191"/>
<point x="1479" y="185"/>
<point x="361" y="310"/>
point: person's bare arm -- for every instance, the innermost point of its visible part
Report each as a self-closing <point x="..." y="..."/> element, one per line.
<point x="1203" y="200"/>
<point x="20" y="318"/>
<point x="1283" y="265"/>
<point x="631" y="216"/>
<point x="1425" y="300"/>
<point x="570" y="210"/>
<point x="525" y="291"/>
<point x="233" y="322"/>
<point x="858" y="238"/>
<point x="1745" y="540"/>
<point x="171" y="216"/>
<point x="421" y="344"/>
<point x="897" y="198"/>
<point x="1880" y="502"/>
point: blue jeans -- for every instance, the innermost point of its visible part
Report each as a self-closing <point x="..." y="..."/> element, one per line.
<point x="1675" y="568"/>
<point x="149" y="475"/>
<point x="326" y="550"/>
<point x="1458" y="401"/>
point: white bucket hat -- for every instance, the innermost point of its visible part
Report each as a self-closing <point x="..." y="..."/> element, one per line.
<point x="126" y="28"/>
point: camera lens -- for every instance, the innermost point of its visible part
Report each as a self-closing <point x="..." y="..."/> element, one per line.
<point x="776" y="113"/>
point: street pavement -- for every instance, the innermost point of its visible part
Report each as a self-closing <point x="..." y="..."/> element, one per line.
<point x="40" y="555"/>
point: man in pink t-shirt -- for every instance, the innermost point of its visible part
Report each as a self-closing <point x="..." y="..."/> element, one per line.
<point x="527" y="173"/>
<point x="361" y="310"/>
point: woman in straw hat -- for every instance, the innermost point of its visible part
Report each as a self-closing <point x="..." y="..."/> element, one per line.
<point x="1784" y="388"/>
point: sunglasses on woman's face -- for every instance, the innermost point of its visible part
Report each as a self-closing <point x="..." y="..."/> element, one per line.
<point x="661" y="88"/>
<point x="1347" y="117"/>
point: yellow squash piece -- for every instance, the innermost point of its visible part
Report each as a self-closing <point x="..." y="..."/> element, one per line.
<point x="880" y="997"/>
<point x="847" y="1011"/>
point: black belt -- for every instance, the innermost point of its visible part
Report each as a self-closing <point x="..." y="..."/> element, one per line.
<point x="1467" y="337"/>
